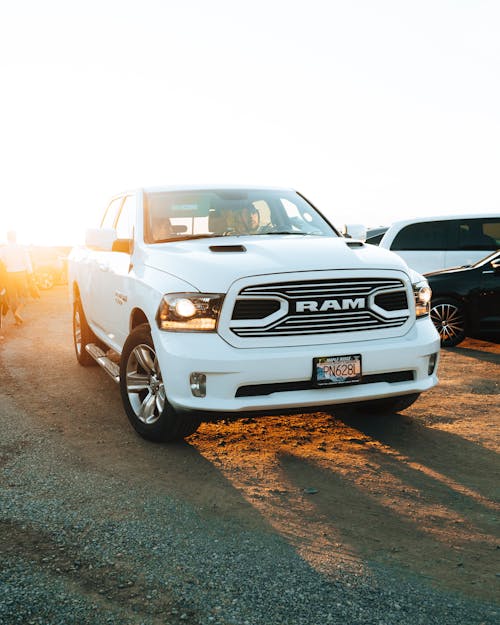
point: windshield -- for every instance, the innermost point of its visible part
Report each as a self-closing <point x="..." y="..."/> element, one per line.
<point x="177" y="215"/>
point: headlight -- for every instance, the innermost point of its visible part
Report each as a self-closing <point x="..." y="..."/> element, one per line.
<point x="423" y="293"/>
<point x="189" y="312"/>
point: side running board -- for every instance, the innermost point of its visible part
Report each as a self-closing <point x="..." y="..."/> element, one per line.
<point x="106" y="360"/>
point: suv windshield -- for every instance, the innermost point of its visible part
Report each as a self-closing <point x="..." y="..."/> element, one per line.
<point x="176" y="215"/>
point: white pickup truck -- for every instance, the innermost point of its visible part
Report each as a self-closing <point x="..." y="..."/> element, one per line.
<point x="201" y="301"/>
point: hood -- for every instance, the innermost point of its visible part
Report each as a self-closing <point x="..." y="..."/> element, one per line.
<point x="214" y="271"/>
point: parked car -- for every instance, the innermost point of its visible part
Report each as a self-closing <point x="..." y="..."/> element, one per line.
<point x="50" y="265"/>
<point x="374" y="235"/>
<point x="466" y="300"/>
<point x="354" y="231"/>
<point x="434" y="243"/>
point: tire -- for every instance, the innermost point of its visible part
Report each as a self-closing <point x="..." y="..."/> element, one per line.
<point x="82" y="335"/>
<point x="143" y="392"/>
<point x="448" y="318"/>
<point x="386" y="405"/>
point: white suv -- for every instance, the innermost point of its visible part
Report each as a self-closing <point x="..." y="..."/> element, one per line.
<point x="435" y="243"/>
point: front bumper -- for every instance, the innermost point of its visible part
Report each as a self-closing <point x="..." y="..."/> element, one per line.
<point x="228" y="369"/>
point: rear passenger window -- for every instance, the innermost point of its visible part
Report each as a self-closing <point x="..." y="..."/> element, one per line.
<point x="431" y="235"/>
<point x="476" y="234"/>
<point x="492" y="229"/>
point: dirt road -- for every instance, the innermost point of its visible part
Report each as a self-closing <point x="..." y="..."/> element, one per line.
<point x="415" y="493"/>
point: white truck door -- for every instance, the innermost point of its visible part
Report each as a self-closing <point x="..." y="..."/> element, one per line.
<point x="116" y="277"/>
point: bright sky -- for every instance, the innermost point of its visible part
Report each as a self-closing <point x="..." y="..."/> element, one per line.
<point x="374" y="109"/>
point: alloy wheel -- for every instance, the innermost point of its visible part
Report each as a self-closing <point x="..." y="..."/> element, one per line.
<point x="144" y="383"/>
<point x="449" y="322"/>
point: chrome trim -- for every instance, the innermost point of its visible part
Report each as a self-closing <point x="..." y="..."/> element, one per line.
<point x="286" y="323"/>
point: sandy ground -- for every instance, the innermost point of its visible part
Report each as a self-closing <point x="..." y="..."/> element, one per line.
<point x="416" y="492"/>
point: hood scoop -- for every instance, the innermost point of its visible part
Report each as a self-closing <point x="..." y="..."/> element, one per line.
<point x="227" y="248"/>
<point x="354" y="244"/>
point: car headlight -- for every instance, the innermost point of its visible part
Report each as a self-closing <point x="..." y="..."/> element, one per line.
<point x="423" y="293"/>
<point x="189" y="312"/>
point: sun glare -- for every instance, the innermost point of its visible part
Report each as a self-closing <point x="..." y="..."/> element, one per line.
<point x="44" y="227"/>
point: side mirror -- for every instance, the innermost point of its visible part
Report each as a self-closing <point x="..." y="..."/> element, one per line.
<point x="122" y="245"/>
<point x="100" y="238"/>
<point x="355" y="231"/>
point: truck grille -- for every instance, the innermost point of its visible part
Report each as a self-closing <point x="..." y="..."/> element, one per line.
<point x="319" y="307"/>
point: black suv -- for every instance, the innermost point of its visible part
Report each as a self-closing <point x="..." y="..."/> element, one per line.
<point x="466" y="300"/>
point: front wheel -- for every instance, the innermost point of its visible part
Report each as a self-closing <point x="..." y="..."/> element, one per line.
<point x="449" y="320"/>
<point x="143" y="392"/>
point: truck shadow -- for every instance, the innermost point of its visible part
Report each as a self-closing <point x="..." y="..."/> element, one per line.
<point x="482" y="348"/>
<point x="474" y="353"/>
<point x="432" y="451"/>
<point x="409" y="530"/>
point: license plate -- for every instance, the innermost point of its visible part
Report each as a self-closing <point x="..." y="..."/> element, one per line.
<point x="336" y="370"/>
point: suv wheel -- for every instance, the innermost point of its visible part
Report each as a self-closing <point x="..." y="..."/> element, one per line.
<point x="449" y="320"/>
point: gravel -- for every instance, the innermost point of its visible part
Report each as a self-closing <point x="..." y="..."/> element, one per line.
<point x="80" y="548"/>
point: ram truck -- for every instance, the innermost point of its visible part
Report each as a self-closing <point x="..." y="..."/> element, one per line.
<point x="204" y="301"/>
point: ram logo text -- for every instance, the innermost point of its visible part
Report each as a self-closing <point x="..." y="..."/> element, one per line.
<point x="330" y="304"/>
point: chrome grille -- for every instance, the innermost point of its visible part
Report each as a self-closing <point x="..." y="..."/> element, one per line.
<point x="340" y="305"/>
